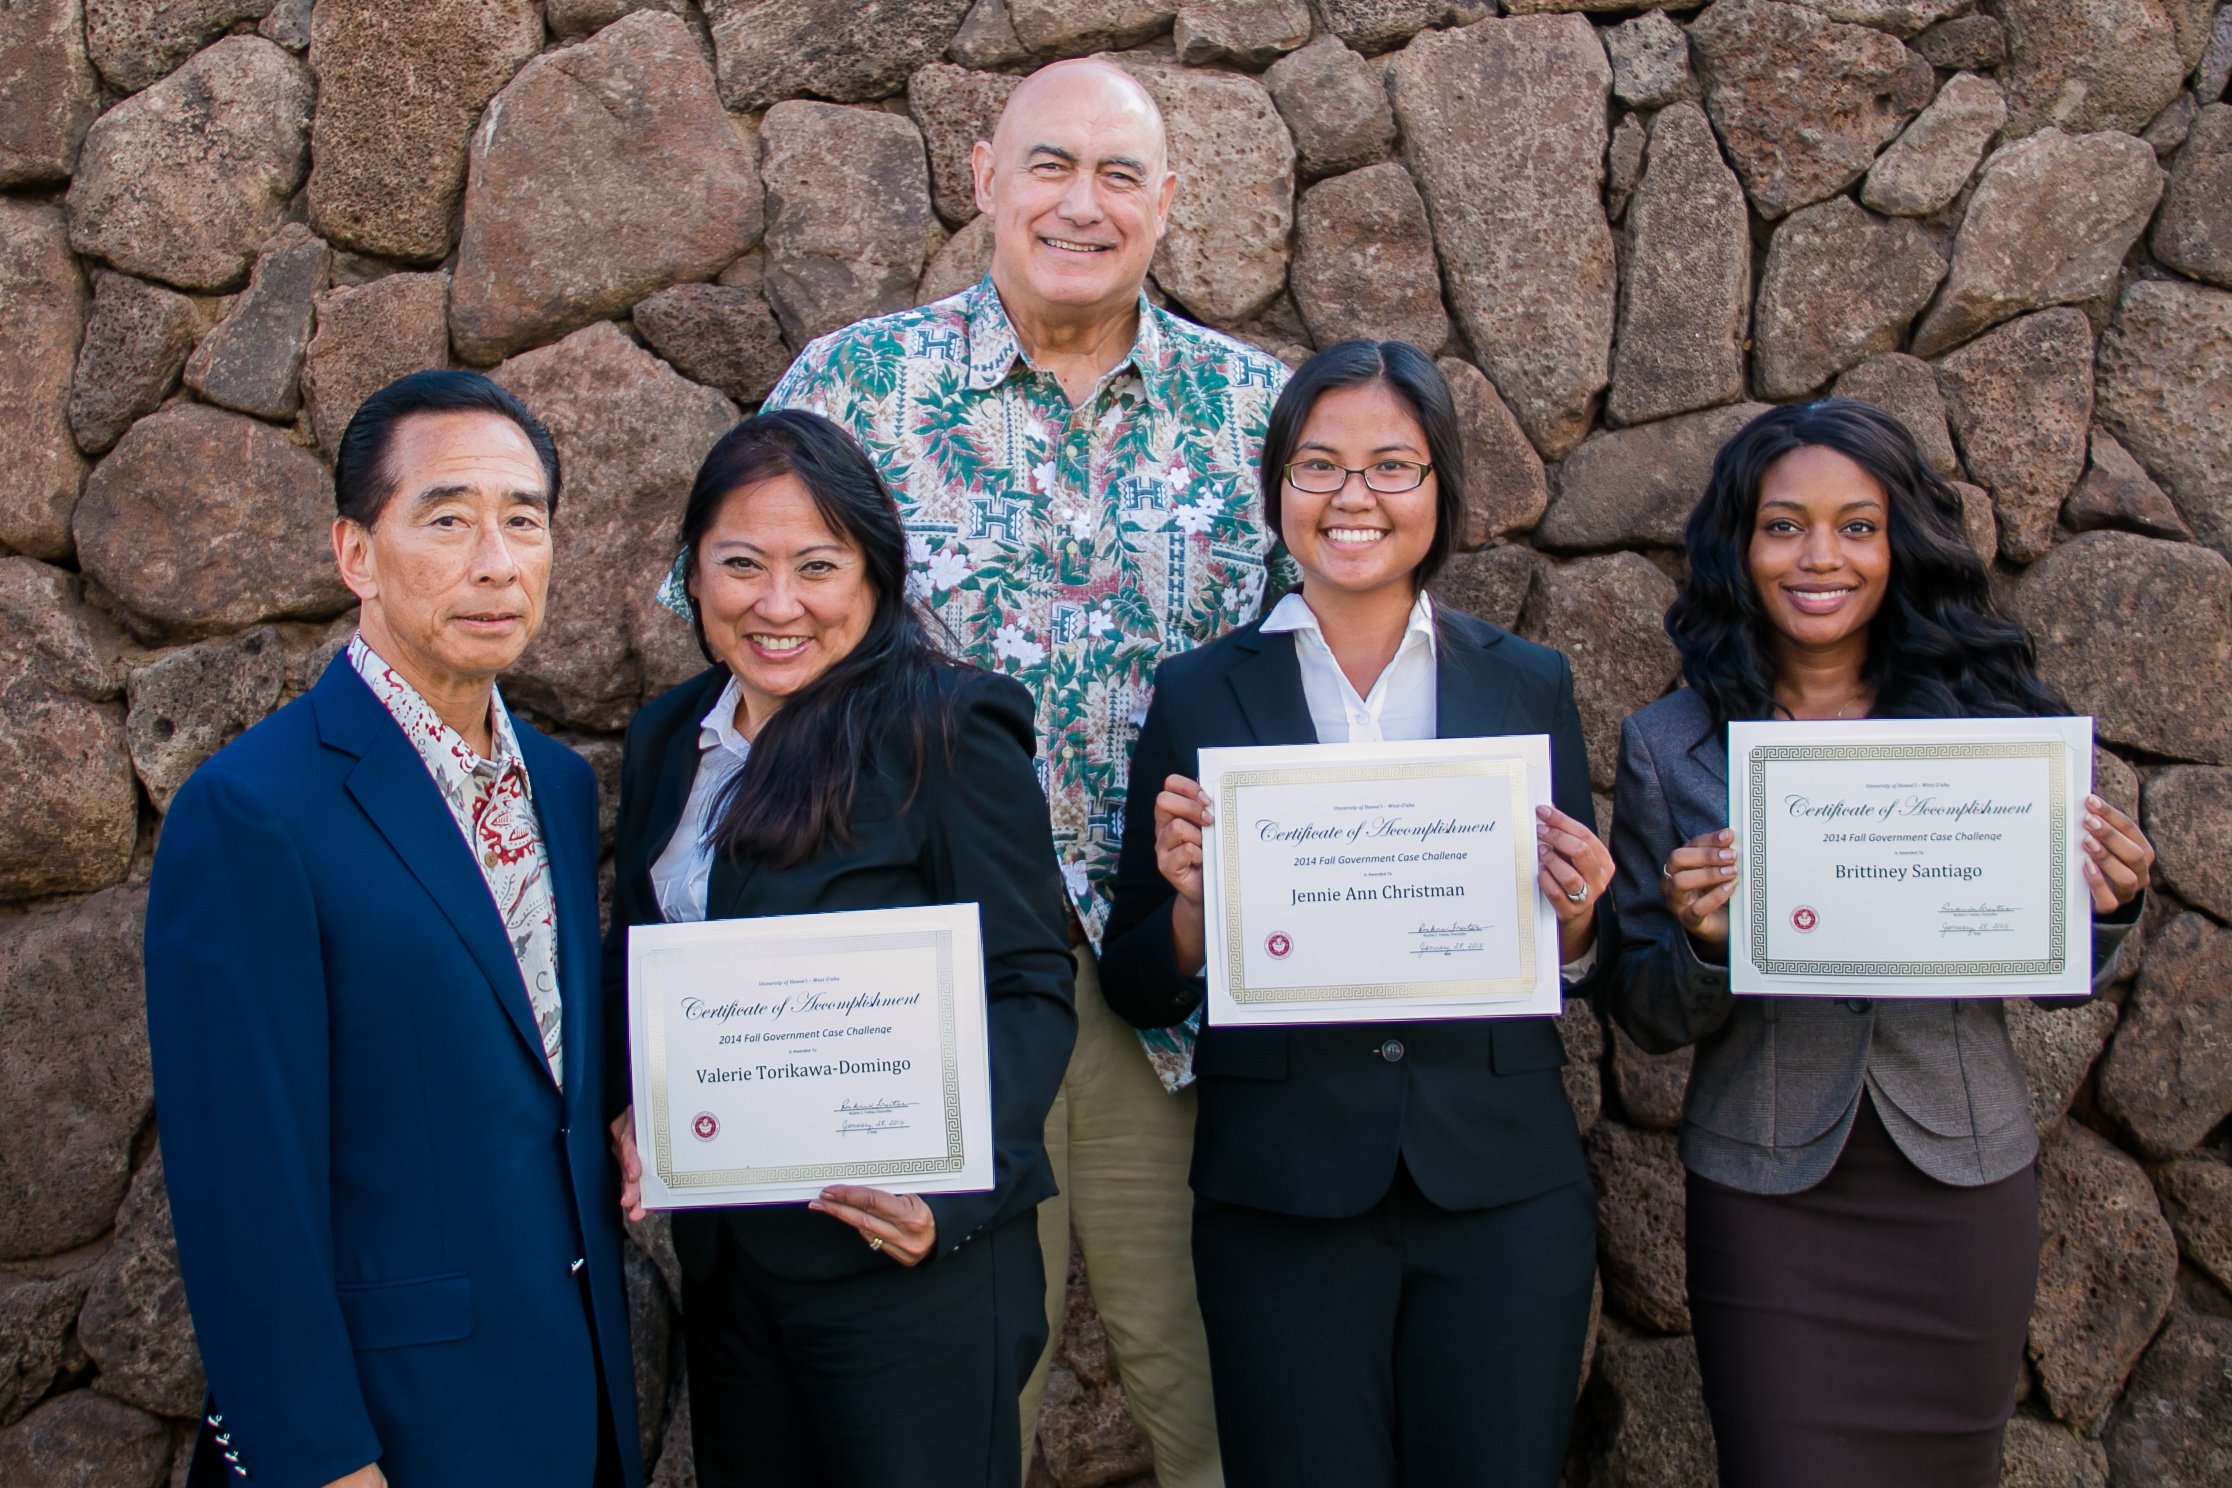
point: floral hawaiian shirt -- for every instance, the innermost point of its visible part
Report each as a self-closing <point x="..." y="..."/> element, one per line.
<point x="493" y="802"/>
<point x="1072" y="548"/>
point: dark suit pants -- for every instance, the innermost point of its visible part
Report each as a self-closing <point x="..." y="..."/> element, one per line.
<point x="893" y="1378"/>
<point x="1410" y="1345"/>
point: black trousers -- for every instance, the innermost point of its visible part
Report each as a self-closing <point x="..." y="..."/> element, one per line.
<point x="1409" y="1345"/>
<point x="893" y="1378"/>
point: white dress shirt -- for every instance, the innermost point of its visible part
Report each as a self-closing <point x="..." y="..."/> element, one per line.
<point x="684" y="871"/>
<point x="1402" y="706"/>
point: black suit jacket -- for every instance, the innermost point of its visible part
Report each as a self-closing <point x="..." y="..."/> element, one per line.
<point x="1312" y="1120"/>
<point x="974" y="831"/>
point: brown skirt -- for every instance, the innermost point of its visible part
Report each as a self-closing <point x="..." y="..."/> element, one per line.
<point x="1866" y="1331"/>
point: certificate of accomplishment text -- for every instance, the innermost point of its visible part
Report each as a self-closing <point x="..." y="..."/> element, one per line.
<point x="1361" y="883"/>
<point x="1910" y="858"/>
<point x="773" y="1057"/>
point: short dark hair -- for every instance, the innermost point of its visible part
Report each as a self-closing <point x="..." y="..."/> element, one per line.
<point x="362" y="482"/>
<point x="1414" y="379"/>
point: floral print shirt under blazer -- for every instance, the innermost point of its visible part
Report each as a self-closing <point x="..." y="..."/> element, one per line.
<point x="1070" y="548"/>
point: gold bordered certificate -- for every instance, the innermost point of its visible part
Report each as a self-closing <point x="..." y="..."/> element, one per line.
<point x="1910" y="858"/>
<point x="1362" y="883"/>
<point x="773" y="1057"/>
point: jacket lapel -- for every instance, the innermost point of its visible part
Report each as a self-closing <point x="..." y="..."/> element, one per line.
<point x="1711" y="754"/>
<point x="1469" y="703"/>
<point x="1268" y="686"/>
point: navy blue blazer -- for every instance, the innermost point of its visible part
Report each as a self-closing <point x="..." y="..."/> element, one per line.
<point x="385" y="1207"/>
<point x="1312" y="1120"/>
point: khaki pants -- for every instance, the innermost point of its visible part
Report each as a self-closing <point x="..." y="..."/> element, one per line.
<point x="1121" y="1146"/>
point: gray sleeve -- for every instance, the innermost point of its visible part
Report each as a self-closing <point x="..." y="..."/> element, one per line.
<point x="1662" y="993"/>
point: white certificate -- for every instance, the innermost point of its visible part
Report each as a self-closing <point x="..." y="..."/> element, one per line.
<point x="1375" y="883"/>
<point x="776" y="1056"/>
<point x="1910" y="858"/>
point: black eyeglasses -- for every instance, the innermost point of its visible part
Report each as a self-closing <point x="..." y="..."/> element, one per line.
<point x="1388" y="477"/>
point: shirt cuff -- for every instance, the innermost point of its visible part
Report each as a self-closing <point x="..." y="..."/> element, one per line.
<point x="1579" y="967"/>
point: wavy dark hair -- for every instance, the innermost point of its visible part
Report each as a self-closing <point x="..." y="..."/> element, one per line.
<point x="794" y="795"/>
<point x="1418" y="384"/>
<point x="1938" y="648"/>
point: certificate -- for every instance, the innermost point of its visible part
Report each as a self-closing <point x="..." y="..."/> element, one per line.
<point x="773" y="1057"/>
<point x="1910" y="858"/>
<point x="1372" y="883"/>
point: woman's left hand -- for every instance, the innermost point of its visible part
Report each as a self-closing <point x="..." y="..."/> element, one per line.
<point x="1575" y="861"/>
<point x="2118" y="856"/>
<point x="899" y="1225"/>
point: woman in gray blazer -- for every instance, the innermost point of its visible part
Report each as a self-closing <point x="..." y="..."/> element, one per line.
<point x="1863" y="1230"/>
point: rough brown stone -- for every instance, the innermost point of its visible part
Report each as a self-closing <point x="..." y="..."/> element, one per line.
<point x="1065" y="28"/>
<point x="1623" y="164"/>
<point x="1929" y="163"/>
<point x="2194" y="233"/>
<point x="2020" y="402"/>
<point x="72" y="813"/>
<point x="1906" y="388"/>
<point x="83" y="1439"/>
<point x="1376" y="25"/>
<point x="2165" y="371"/>
<point x="2038" y="1454"/>
<point x="36" y="1313"/>
<point x="137" y="337"/>
<point x="1979" y="523"/>
<point x="2116" y="782"/>
<point x="1252" y="33"/>
<point x="2168" y="1075"/>
<point x="1651" y="1087"/>
<point x="1653" y="1428"/>
<point x="954" y="108"/>
<point x="630" y="434"/>
<point x="1840" y="285"/>
<point x="1685" y="293"/>
<point x="648" y="157"/>
<point x="849" y="221"/>
<point x="1583" y="1037"/>
<point x="288" y="24"/>
<point x="188" y="705"/>
<point x="1640" y="1211"/>
<point x="2088" y="64"/>
<point x="677" y="1464"/>
<point x="2173" y="1428"/>
<point x="48" y="88"/>
<point x="1650" y="61"/>
<point x="2106" y="1265"/>
<point x="202" y="521"/>
<point x="987" y="37"/>
<point x="654" y="1234"/>
<point x="1491" y="583"/>
<point x="965" y="259"/>
<point x="74" y="1082"/>
<point x="184" y="181"/>
<point x="135" y="1324"/>
<point x="1507" y="489"/>
<point x="571" y="18"/>
<point x="724" y="338"/>
<point x="1970" y="43"/>
<point x="847" y="50"/>
<point x="2189" y="820"/>
<point x="2049" y="224"/>
<point x="1224" y="256"/>
<point x="399" y="90"/>
<point x="2118" y="492"/>
<point x="252" y="360"/>
<point x="134" y="42"/>
<point x="1605" y="614"/>
<point x="1085" y="1432"/>
<point x="651" y="1338"/>
<point x="1899" y="17"/>
<point x="2216" y="62"/>
<point x="1636" y="486"/>
<point x="2113" y="614"/>
<point x="369" y="335"/>
<point x="2056" y="1048"/>
<point x="1364" y="264"/>
<point x="1504" y="127"/>
<point x="42" y="304"/>
<point x="1802" y="102"/>
<point x="2196" y="1194"/>
<point x="1334" y="105"/>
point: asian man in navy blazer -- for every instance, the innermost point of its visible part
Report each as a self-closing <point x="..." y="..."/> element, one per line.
<point x="375" y="1001"/>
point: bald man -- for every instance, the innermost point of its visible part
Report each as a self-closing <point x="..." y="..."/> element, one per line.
<point x="1077" y="470"/>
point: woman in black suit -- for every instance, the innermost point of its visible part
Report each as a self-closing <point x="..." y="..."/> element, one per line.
<point x="1394" y="1233"/>
<point x="834" y="759"/>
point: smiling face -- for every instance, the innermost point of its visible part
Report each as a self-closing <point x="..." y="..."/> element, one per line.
<point x="1357" y="539"/>
<point x="1076" y="184"/>
<point x="454" y="571"/>
<point x="1820" y="553"/>
<point x="782" y="597"/>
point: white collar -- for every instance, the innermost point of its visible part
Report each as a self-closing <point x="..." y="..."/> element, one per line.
<point x="718" y="726"/>
<point x="1294" y="613"/>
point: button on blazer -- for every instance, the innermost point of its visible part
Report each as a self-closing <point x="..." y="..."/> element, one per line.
<point x="1312" y="1120"/>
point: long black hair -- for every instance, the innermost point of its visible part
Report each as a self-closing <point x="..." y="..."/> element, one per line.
<point x="1938" y="648"/>
<point x="1417" y="383"/>
<point x="795" y="792"/>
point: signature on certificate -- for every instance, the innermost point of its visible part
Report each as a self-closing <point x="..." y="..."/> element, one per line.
<point x="872" y="1116"/>
<point x="1974" y="919"/>
<point x="1446" y="940"/>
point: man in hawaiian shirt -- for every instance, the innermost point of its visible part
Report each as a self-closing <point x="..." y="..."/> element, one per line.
<point x="1078" y="473"/>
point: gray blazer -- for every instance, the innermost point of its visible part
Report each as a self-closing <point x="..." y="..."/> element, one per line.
<point x="1777" y="1080"/>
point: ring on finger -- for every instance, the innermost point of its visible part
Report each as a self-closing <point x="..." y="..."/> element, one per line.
<point x="1580" y="895"/>
<point x="1666" y="870"/>
<point x="875" y="1242"/>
